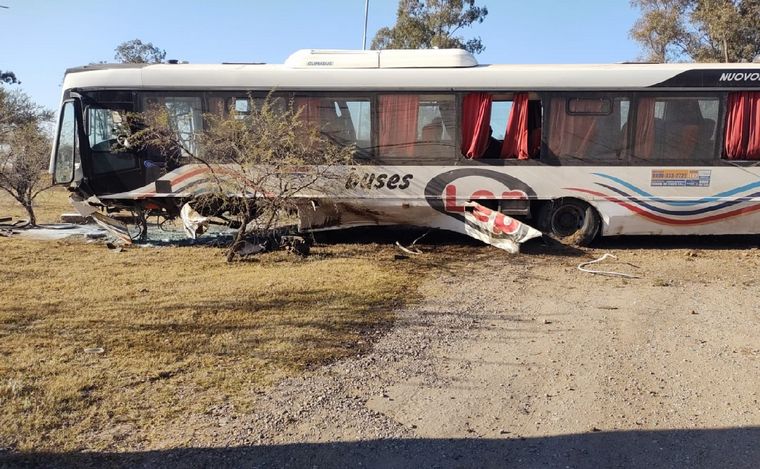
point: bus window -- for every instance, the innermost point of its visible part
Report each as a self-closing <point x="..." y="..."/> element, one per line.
<point x="675" y="129"/>
<point x="346" y="121"/>
<point x="742" y="134"/>
<point x="67" y="145"/>
<point x="587" y="127"/>
<point x="361" y="119"/>
<point x="416" y="128"/>
<point x="500" y="111"/>
<point x="501" y="126"/>
<point x="185" y="117"/>
<point x="242" y="106"/>
<point x="102" y="126"/>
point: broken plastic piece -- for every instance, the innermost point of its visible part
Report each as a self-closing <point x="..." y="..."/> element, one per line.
<point x="193" y="222"/>
<point x="495" y="228"/>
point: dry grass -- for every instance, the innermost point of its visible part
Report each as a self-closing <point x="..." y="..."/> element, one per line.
<point x="48" y="206"/>
<point x="181" y="330"/>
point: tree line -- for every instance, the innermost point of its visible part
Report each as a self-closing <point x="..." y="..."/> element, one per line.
<point x="698" y="30"/>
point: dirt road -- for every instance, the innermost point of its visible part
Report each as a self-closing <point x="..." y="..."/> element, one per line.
<point x="525" y="362"/>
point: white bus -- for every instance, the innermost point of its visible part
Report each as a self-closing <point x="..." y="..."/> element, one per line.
<point x="578" y="151"/>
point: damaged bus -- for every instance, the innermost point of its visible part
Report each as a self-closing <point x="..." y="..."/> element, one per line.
<point x="578" y="151"/>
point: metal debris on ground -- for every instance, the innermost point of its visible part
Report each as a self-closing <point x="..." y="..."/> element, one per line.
<point x="582" y="268"/>
<point x="113" y="247"/>
<point x="247" y="249"/>
<point x="113" y="226"/>
<point x="295" y="245"/>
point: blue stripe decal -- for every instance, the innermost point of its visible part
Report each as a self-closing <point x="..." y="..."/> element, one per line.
<point x="683" y="203"/>
<point x="680" y="212"/>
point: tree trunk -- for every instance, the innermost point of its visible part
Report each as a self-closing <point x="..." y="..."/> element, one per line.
<point x="239" y="237"/>
<point x="725" y="50"/>
<point x="30" y="213"/>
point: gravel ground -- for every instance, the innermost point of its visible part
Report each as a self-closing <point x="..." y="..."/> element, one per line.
<point x="522" y="362"/>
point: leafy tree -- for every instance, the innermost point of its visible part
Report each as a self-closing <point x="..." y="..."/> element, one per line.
<point x="9" y="78"/>
<point x="699" y="30"/>
<point x="432" y="23"/>
<point x="138" y="52"/>
<point x="24" y="149"/>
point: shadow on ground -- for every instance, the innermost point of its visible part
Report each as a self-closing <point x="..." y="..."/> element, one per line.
<point x="545" y="245"/>
<point x="732" y="447"/>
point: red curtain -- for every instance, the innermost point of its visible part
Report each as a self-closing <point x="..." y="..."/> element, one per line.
<point x="309" y="108"/>
<point x="644" y="132"/>
<point x="516" y="136"/>
<point x="398" y="124"/>
<point x="476" y="121"/>
<point x="742" y="140"/>
<point x="572" y="135"/>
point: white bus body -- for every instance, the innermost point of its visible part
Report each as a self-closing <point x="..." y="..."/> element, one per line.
<point x="615" y="149"/>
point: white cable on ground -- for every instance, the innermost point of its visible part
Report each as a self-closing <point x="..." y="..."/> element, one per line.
<point x="413" y="251"/>
<point x="605" y="272"/>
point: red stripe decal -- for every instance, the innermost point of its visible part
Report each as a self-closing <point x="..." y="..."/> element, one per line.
<point x="188" y="174"/>
<point x="666" y="220"/>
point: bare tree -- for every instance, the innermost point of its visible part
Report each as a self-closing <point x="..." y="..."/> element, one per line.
<point x="24" y="149"/>
<point x="24" y="157"/>
<point x="262" y="164"/>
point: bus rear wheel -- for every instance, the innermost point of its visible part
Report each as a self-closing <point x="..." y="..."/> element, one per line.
<point x="571" y="221"/>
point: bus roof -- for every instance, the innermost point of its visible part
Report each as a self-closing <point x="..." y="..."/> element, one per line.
<point x="409" y="70"/>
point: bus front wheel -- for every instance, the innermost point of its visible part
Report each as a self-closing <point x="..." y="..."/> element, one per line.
<point x="570" y="221"/>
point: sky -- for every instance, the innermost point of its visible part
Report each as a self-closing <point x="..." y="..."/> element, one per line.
<point x="40" y="39"/>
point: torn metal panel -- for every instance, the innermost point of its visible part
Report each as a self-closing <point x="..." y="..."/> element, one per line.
<point x="326" y="214"/>
<point x="115" y="227"/>
<point x="84" y="207"/>
<point x="193" y="222"/>
<point x="497" y="229"/>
